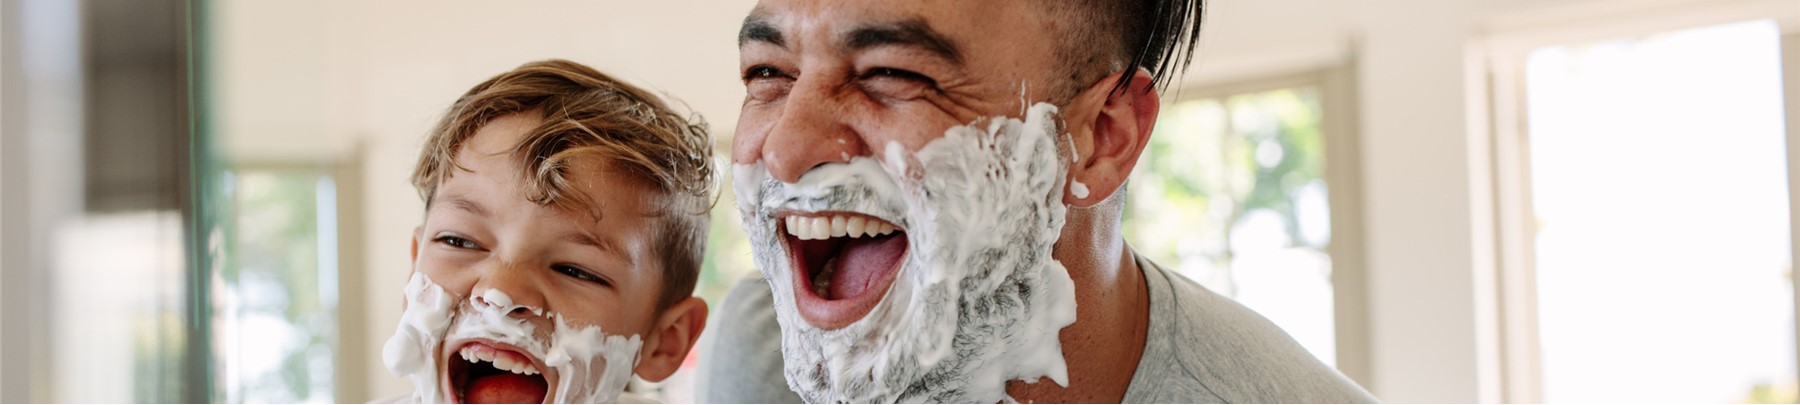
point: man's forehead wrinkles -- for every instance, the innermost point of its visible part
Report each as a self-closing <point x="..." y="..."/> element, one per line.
<point x="911" y="32"/>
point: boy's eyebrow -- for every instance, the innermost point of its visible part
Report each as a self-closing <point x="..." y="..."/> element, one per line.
<point x="588" y="239"/>
<point x="464" y="203"/>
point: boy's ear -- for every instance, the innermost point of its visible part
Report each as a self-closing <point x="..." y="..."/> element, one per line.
<point x="677" y="329"/>
<point x="415" y="262"/>
<point x="1110" y="131"/>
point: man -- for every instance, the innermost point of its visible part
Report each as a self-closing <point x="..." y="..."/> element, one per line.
<point x="928" y="186"/>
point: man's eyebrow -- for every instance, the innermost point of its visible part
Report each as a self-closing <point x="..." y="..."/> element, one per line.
<point x="908" y="33"/>
<point x="757" y="29"/>
<point x="461" y="202"/>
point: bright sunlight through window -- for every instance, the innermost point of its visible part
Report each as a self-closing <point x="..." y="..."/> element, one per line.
<point x="1659" y="184"/>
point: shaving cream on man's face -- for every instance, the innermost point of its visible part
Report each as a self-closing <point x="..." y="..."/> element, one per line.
<point x="919" y="276"/>
<point x="484" y="348"/>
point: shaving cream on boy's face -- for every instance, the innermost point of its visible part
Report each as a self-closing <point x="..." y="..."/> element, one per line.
<point x="514" y="301"/>
<point x="485" y="348"/>
<point x="919" y="276"/>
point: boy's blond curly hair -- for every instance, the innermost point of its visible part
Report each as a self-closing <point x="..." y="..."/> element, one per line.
<point x="589" y="115"/>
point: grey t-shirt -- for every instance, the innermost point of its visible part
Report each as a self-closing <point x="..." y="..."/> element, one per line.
<point x="1201" y="348"/>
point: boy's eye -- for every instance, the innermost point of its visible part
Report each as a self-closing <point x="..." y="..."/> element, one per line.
<point x="457" y="242"/>
<point x="580" y="274"/>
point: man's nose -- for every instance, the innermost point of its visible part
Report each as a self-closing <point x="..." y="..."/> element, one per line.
<point x="508" y="288"/>
<point x="813" y="129"/>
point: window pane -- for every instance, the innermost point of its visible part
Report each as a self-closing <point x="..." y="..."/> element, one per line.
<point x="1231" y="194"/>
<point x="277" y="315"/>
<point x="1662" y="248"/>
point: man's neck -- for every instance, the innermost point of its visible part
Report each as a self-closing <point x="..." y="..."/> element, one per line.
<point x="1112" y="310"/>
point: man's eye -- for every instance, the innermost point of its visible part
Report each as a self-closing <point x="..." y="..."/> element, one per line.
<point x="898" y="74"/>
<point x="763" y="72"/>
<point x="896" y="84"/>
<point x="580" y="274"/>
<point x="895" y="72"/>
<point x="766" y="83"/>
<point x="458" y="242"/>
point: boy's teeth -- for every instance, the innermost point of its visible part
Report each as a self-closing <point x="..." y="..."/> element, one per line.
<point x="499" y="361"/>
<point x="836" y="226"/>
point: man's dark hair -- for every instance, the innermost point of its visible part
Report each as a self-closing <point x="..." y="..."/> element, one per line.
<point x="1102" y="37"/>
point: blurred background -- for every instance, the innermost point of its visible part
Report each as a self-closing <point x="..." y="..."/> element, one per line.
<point x="1450" y="201"/>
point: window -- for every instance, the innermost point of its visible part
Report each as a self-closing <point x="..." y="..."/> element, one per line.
<point x="276" y="317"/>
<point x="1652" y="252"/>
<point x="1231" y="193"/>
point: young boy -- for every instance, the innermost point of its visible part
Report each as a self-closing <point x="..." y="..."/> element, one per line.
<point x="566" y="214"/>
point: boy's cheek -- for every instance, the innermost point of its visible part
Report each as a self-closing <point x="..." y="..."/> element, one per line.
<point x="609" y="313"/>
<point x="446" y="273"/>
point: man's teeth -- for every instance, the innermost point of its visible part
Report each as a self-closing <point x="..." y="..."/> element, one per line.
<point x="503" y="362"/>
<point x="837" y="226"/>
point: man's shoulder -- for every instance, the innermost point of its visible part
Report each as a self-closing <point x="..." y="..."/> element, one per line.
<point x="741" y="357"/>
<point x="1223" y="351"/>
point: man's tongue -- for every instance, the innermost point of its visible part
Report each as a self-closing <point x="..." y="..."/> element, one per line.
<point x="506" y="388"/>
<point x="863" y="262"/>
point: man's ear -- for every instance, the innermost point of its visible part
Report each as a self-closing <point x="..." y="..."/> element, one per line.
<point x="677" y="329"/>
<point x="1110" y="130"/>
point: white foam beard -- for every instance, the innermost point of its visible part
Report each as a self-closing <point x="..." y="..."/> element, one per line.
<point x="978" y="300"/>
<point x="591" y="366"/>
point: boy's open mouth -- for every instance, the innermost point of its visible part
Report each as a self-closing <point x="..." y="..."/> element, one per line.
<point x="481" y="372"/>
<point x="844" y="264"/>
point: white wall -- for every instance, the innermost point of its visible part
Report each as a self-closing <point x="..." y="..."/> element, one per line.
<point x="324" y="80"/>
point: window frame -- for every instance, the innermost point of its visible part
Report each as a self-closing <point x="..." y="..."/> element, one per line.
<point x="1509" y="355"/>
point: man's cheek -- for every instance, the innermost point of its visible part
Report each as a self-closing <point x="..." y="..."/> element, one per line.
<point x="752" y="130"/>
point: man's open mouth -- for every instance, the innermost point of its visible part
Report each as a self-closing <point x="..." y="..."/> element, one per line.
<point x="843" y="264"/>
<point x="481" y="372"/>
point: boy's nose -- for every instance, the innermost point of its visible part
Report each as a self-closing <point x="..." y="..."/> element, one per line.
<point x="500" y="300"/>
<point x="507" y="289"/>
